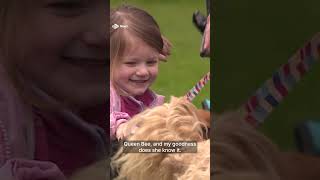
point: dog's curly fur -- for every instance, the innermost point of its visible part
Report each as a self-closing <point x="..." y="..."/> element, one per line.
<point x="241" y="152"/>
<point x="174" y="121"/>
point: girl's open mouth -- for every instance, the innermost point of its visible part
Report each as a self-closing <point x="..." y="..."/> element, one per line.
<point x="139" y="81"/>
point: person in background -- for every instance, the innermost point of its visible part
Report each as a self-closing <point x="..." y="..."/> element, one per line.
<point x="53" y="62"/>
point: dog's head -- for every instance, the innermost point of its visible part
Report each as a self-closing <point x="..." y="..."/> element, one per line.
<point x="177" y="120"/>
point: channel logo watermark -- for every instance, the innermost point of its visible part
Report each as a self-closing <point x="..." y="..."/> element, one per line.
<point x="116" y="26"/>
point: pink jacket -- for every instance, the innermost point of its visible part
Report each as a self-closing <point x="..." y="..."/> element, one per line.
<point x="20" y="143"/>
<point x="16" y="123"/>
<point x="122" y="108"/>
<point x="17" y="138"/>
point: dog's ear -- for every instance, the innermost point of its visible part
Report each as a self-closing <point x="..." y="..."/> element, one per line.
<point x="204" y="116"/>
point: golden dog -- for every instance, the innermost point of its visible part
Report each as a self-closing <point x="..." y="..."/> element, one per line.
<point x="178" y="120"/>
<point x="240" y="152"/>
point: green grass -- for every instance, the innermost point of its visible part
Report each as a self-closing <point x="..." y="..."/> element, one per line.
<point x="251" y="40"/>
<point x="184" y="67"/>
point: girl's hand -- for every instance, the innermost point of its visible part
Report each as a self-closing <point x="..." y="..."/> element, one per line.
<point x="166" y="49"/>
<point x="121" y="131"/>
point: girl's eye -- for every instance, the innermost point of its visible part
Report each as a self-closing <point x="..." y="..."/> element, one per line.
<point x="152" y="62"/>
<point x="68" y="7"/>
<point x="130" y="63"/>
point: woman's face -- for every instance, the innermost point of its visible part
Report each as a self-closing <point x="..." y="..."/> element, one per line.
<point x="63" y="49"/>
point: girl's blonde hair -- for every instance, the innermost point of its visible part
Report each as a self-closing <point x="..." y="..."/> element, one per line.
<point x="139" y="24"/>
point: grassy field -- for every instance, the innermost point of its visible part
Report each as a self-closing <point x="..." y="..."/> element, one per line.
<point x="251" y="40"/>
<point x="184" y="67"/>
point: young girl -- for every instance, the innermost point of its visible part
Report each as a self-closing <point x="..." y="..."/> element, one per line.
<point x="136" y="48"/>
<point x="53" y="63"/>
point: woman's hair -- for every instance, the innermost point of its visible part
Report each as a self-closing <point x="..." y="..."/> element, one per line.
<point x="139" y="24"/>
<point x="9" y="17"/>
<point x="11" y="13"/>
<point x="8" y="27"/>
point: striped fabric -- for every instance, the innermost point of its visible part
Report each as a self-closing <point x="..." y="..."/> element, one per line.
<point x="273" y="91"/>
<point x="197" y="88"/>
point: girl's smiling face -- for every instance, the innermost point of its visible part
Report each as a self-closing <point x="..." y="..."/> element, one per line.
<point x="137" y="70"/>
<point x="62" y="49"/>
